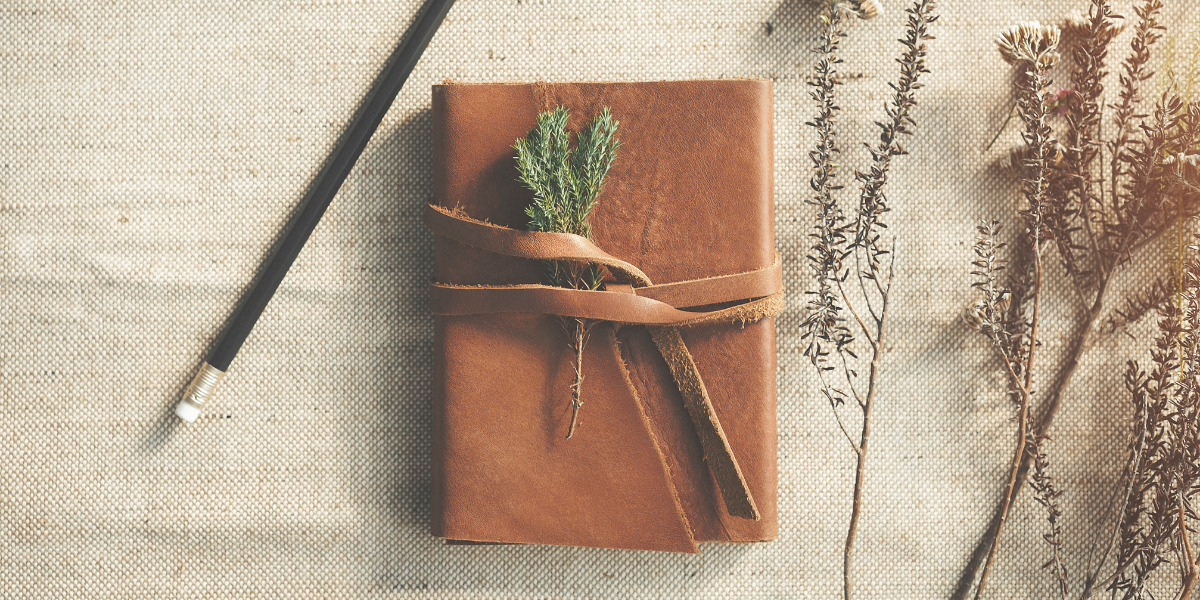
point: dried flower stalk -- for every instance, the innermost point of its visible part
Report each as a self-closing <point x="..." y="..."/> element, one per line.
<point x="1034" y="48"/>
<point x="1094" y="231"/>
<point x="825" y="329"/>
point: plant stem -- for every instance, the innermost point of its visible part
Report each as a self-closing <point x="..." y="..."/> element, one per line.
<point x="856" y="509"/>
<point x="1057" y="391"/>
<point x="1009" y="491"/>
<point x="578" y="338"/>
<point x="1190" y="580"/>
<point x="861" y="468"/>
<point x="1020" y="456"/>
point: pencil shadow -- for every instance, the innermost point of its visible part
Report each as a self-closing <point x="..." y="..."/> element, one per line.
<point x="392" y="254"/>
<point x="162" y="430"/>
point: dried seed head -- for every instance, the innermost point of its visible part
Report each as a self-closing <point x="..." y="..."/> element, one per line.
<point x="1031" y="44"/>
<point x="1013" y="162"/>
<point x="1184" y="160"/>
<point x="863" y="9"/>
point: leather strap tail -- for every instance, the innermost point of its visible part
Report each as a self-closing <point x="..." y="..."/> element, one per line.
<point x="717" y="452"/>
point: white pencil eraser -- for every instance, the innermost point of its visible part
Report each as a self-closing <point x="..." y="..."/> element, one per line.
<point x="187" y="411"/>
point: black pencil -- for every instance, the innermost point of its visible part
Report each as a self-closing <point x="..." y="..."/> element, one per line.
<point x="399" y="66"/>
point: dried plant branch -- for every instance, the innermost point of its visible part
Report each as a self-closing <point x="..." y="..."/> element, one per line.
<point x="1094" y="233"/>
<point x="1134" y="71"/>
<point x="1083" y="203"/>
<point x="1033" y="48"/>
<point x="865" y="433"/>
<point x="1047" y="496"/>
<point x="1133" y="377"/>
<point x="826" y="331"/>
<point x="825" y="328"/>
<point x="991" y="311"/>
<point x="1165" y="404"/>
<point x="1140" y="303"/>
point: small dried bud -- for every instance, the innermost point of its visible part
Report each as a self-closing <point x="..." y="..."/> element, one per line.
<point x="1076" y="24"/>
<point x="976" y="316"/>
<point x="1061" y="101"/>
<point x="1031" y="44"/>
<point x="869" y="9"/>
<point x="973" y="316"/>
<point x="1186" y="168"/>
<point x="1057" y="152"/>
<point x="1002" y="302"/>
<point x="1078" y="27"/>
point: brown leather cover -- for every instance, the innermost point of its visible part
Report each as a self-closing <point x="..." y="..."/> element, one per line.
<point x="689" y="197"/>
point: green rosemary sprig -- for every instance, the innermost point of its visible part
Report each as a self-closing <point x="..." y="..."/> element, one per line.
<point x="566" y="184"/>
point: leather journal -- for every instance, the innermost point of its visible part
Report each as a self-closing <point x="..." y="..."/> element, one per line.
<point x="676" y="440"/>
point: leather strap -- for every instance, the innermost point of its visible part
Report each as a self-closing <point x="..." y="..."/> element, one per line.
<point x="538" y="245"/>
<point x="717" y="290"/>
<point x="445" y="299"/>
<point x="650" y="304"/>
<point x="717" y="451"/>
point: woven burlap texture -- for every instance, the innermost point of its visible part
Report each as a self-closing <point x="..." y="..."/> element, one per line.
<point x="150" y="153"/>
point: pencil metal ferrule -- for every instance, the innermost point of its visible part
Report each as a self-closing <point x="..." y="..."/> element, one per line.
<point x="198" y="391"/>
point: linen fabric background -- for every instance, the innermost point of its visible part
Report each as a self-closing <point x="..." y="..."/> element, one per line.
<point x="151" y="152"/>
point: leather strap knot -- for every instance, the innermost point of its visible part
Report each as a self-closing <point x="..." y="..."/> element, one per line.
<point x="632" y="299"/>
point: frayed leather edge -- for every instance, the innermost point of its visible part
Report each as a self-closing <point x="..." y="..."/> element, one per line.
<point x="750" y="312"/>
<point x="662" y="457"/>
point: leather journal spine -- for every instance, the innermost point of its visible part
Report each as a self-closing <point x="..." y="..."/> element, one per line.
<point x="676" y="440"/>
